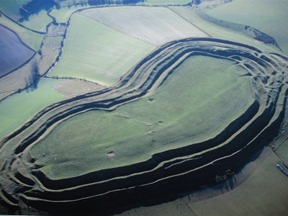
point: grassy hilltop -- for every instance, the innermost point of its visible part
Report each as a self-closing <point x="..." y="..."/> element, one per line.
<point x="143" y="102"/>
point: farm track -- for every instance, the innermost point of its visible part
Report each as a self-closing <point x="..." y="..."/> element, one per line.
<point x="167" y="173"/>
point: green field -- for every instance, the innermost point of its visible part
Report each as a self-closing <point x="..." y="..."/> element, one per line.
<point x="155" y="25"/>
<point x="13" y="52"/>
<point x="30" y="38"/>
<point x="19" y="79"/>
<point x="98" y="53"/>
<point x="160" y="121"/>
<point x="218" y="31"/>
<point x="63" y="15"/>
<point x="32" y="101"/>
<point x="38" y="21"/>
<point x="268" y="16"/>
<point x="19" y="108"/>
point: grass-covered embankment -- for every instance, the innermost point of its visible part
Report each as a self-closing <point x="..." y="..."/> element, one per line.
<point x="167" y="168"/>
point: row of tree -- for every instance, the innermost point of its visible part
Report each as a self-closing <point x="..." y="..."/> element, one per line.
<point x="35" y="6"/>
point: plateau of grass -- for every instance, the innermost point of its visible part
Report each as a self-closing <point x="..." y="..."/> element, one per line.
<point x="198" y="100"/>
<point x="30" y="38"/>
<point x="98" y="53"/>
<point x="18" y="108"/>
<point x="268" y="16"/>
<point x="155" y="25"/>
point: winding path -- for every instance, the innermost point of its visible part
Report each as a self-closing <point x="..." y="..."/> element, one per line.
<point x="168" y="173"/>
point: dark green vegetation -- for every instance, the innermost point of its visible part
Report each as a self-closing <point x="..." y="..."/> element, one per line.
<point x="35" y="6"/>
<point x="13" y="52"/>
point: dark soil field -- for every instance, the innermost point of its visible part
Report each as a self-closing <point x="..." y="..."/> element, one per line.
<point x="13" y="52"/>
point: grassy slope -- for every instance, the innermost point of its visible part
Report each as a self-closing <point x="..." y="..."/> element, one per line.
<point x="19" y="108"/>
<point x="137" y="130"/>
<point x="30" y="38"/>
<point x="217" y="31"/>
<point x="262" y="193"/>
<point x="269" y="16"/>
<point x="156" y="25"/>
<point x="98" y="53"/>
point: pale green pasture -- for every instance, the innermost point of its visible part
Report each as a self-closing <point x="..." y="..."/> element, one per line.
<point x="268" y="16"/>
<point x="217" y="31"/>
<point x="38" y="21"/>
<point x="195" y="103"/>
<point x="63" y="15"/>
<point x="19" y="108"/>
<point x="30" y="38"/>
<point x="98" y="53"/>
<point x="155" y="25"/>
